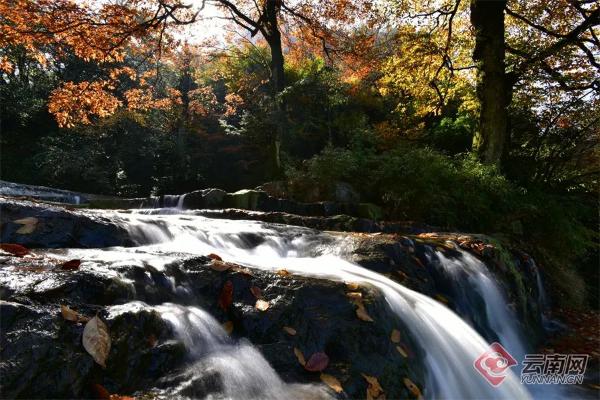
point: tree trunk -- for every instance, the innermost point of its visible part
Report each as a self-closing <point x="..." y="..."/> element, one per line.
<point x="273" y="37"/>
<point x="493" y="86"/>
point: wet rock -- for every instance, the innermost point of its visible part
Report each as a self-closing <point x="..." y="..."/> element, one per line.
<point x="58" y="227"/>
<point x="42" y="354"/>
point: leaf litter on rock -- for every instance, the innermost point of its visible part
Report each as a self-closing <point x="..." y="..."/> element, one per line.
<point x="96" y="340"/>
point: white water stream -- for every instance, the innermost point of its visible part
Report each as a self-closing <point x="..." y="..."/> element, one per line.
<point x="450" y="344"/>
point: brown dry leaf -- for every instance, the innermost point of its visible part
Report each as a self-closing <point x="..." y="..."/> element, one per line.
<point x="70" y="265"/>
<point x="228" y="327"/>
<point x="214" y="256"/>
<point x="401" y="350"/>
<point x="289" y="330"/>
<point x="395" y="336"/>
<point x="152" y="340"/>
<point x="361" y="313"/>
<point x="226" y="296"/>
<point x="256" y="292"/>
<point x="262" y="305"/>
<point x="332" y="382"/>
<point x="354" y="296"/>
<point x="100" y="391"/>
<point x="414" y="389"/>
<point x="29" y="225"/>
<point x="299" y="356"/>
<point x="119" y="397"/>
<point x="283" y="272"/>
<point x="14" y="249"/>
<point x="72" y="315"/>
<point x="374" y="390"/>
<point x="96" y="340"/>
<point x="220" y="266"/>
<point x="317" y="362"/>
<point x="352" y="285"/>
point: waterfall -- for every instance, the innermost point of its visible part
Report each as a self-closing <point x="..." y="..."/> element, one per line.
<point x="449" y="343"/>
<point x="238" y="370"/>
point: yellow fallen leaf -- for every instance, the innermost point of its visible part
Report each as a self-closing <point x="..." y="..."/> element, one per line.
<point x="96" y="340"/>
<point x="352" y="285"/>
<point x="283" y="272"/>
<point x="354" y="296"/>
<point x="362" y="314"/>
<point x="401" y="350"/>
<point x="414" y="389"/>
<point x="374" y="390"/>
<point x="228" y="327"/>
<point x="289" y="330"/>
<point x="299" y="356"/>
<point x="395" y="336"/>
<point x="29" y="225"/>
<point x="262" y="305"/>
<point x="72" y="315"/>
<point x="332" y="382"/>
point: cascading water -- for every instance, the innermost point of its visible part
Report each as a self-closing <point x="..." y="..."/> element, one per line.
<point x="479" y="299"/>
<point x="450" y="345"/>
<point x="237" y="369"/>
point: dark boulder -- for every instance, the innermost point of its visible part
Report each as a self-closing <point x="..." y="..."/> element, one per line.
<point x="58" y="226"/>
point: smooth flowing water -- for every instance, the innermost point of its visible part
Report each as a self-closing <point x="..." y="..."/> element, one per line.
<point x="450" y="344"/>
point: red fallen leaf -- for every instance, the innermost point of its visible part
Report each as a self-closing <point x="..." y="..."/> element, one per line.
<point x="256" y="292"/>
<point x="14" y="249"/>
<point x="100" y="392"/>
<point x="226" y="296"/>
<point x="214" y="256"/>
<point x="317" y="362"/>
<point x="70" y="265"/>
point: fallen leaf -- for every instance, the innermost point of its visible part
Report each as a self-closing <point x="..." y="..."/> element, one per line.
<point x="220" y="265"/>
<point x="352" y="285"/>
<point x="214" y="256"/>
<point x="299" y="356"/>
<point x="401" y="350"/>
<point x="96" y="340"/>
<point x="14" y="249"/>
<point x="414" y="389"/>
<point x="70" y="265"/>
<point x="395" y="336"/>
<point x="262" y="305"/>
<point x="317" y="362"/>
<point x="289" y="330"/>
<point x="100" y="391"/>
<point x="241" y="270"/>
<point x="228" y="327"/>
<point x="361" y="313"/>
<point x="29" y="225"/>
<point x="256" y="292"/>
<point x="332" y="382"/>
<point x="119" y="397"/>
<point x="72" y="315"/>
<point x="152" y="340"/>
<point x="283" y="272"/>
<point x="374" y="390"/>
<point x="354" y="296"/>
<point x="226" y="296"/>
